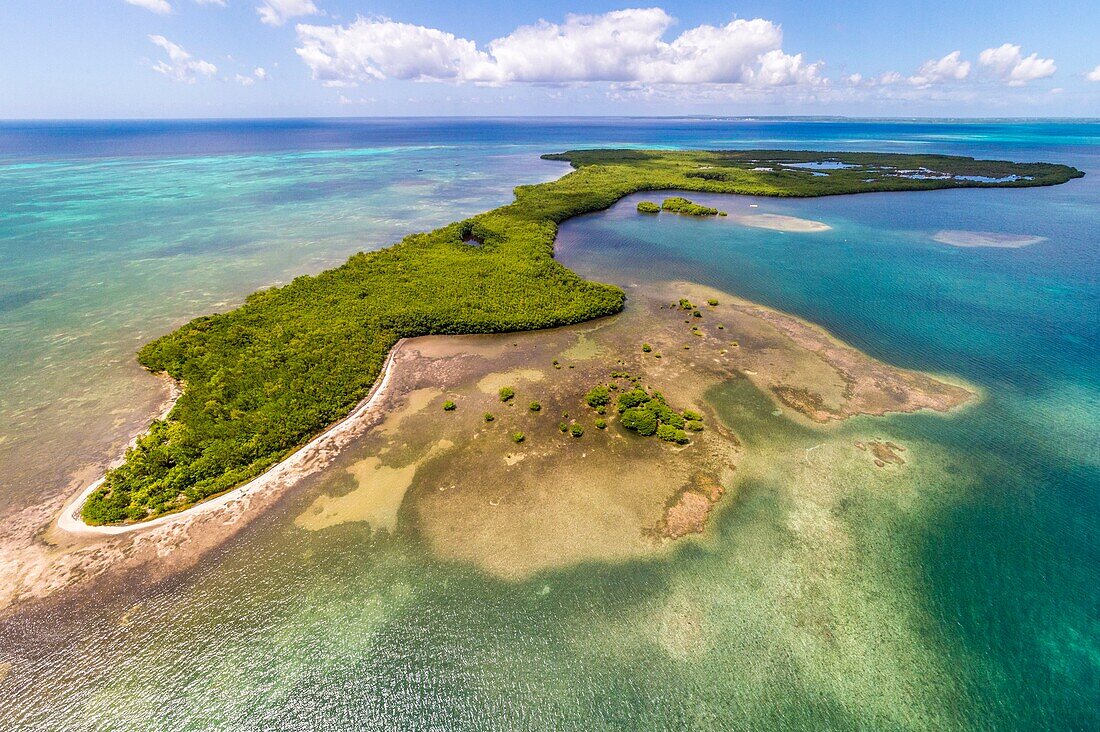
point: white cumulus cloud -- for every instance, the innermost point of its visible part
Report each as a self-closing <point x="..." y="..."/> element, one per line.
<point x="180" y="65"/>
<point x="1008" y="64"/>
<point x="258" y="74"/>
<point x="162" y="7"/>
<point x="277" y="12"/>
<point x="626" y="46"/>
<point x="934" y="71"/>
<point x="1093" y="75"/>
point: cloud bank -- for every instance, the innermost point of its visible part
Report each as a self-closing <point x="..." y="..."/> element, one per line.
<point x="622" y="46"/>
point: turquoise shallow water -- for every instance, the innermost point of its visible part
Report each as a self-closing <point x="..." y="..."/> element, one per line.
<point x="1008" y="563"/>
<point x="101" y="254"/>
<point x="964" y="598"/>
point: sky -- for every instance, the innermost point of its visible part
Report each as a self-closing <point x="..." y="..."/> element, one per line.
<point x="88" y="59"/>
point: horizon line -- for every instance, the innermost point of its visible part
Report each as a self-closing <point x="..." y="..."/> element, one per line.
<point x="696" y="117"/>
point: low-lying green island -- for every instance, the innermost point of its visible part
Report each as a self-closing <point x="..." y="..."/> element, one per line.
<point x="679" y="205"/>
<point x="685" y="207"/>
<point x="261" y="380"/>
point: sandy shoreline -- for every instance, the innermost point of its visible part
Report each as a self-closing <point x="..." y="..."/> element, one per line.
<point x="291" y="467"/>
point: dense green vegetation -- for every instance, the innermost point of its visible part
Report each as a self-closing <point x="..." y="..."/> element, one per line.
<point x="668" y="433"/>
<point x="598" y="396"/>
<point x="648" y="207"/>
<point x="723" y="171"/>
<point x="262" y="379"/>
<point x="649" y="414"/>
<point x="681" y="205"/>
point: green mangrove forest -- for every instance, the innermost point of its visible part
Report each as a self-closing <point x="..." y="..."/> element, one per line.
<point x="261" y="380"/>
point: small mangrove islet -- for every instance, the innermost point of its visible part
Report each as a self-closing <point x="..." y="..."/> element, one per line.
<point x="685" y="207"/>
<point x="261" y="380"/>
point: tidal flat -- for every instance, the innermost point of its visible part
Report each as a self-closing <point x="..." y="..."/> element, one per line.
<point x="510" y="488"/>
<point x="474" y="494"/>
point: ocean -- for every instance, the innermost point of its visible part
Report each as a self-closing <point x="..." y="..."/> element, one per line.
<point x="963" y="596"/>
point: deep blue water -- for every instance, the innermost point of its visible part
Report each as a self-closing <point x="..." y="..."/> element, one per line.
<point x="68" y="140"/>
<point x="113" y="231"/>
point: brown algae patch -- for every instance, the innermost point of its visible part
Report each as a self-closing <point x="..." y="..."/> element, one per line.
<point x="803" y="400"/>
<point x="883" y="452"/>
<point x="807" y="369"/>
<point x="689" y="510"/>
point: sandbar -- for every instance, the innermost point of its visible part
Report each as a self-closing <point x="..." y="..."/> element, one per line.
<point x="989" y="239"/>
<point x="778" y="222"/>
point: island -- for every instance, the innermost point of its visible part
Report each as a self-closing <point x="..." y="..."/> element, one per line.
<point x="686" y="207"/>
<point x="261" y="380"/>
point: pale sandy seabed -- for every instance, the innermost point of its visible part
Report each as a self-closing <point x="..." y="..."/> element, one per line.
<point x="991" y="239"/>
<point x="778" y="222"/>
<point x="474" y="495"/>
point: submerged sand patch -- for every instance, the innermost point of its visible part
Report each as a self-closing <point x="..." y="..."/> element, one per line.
<point x="991" y="239"/>
<point x="680" y="628"/>
<point x="779" y="222"/>
<point x="376" y="500"/>
<point x="493" y="383"/>
<point x="415" y="401"/>
<point x="584" y="348"/>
